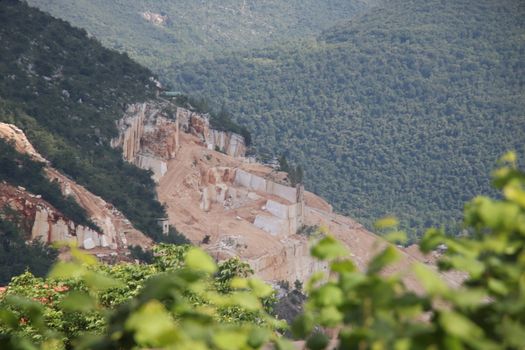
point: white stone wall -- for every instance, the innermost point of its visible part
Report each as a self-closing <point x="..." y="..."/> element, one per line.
<point x="131" y="130"/>
<point x="257" y="183"/>
<point x="271" y="224"/>
<point x="292" y="263"/>
<point x="159" y="167"/>
<point x="47" y="228"/>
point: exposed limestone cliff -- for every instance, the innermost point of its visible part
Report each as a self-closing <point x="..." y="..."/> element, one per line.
<point x="43" y="222"/>
<point x="197" y="124"/>
<point x="149" y="134"/>
<point x="50" y="225"/>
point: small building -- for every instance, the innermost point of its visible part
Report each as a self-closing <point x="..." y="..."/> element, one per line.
<point x="164" y="224"/>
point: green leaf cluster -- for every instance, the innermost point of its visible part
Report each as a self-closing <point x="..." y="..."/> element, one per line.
<point x="486" y="311"/>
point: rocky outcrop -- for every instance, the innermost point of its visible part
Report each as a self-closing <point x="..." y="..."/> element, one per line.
<point x="50" y="225"/>
<point x="155" y="18"/>
<point x="113" y="224"/>
<point x="290" y="260"/>
<point x="41" y="221"/>
<point x="199" y="125"/>
<point x="16" y="136"/>
<point x="283" y="212"/>
<point x="149" y="134"/>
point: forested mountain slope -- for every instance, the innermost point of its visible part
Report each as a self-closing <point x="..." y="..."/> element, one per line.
<point x="65" y="91"/>
<point x="401" y="111"/>
<point x="159" y="32"/>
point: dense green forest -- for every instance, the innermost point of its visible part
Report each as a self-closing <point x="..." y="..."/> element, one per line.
<point x="65" y="91"/>
<point x="198" y="29"/>
<point x="401" y="111"/>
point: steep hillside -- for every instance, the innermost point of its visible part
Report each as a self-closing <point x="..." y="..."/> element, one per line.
<point x="50" y="207"/>
<point x="402" y="111"/>
<point x="158" y="33"/>
<point x="232" y="206"/>
<point x="66" y="91"/>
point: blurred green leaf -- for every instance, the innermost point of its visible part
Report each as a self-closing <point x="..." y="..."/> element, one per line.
<point x="329" y="248"/>
<point x="343" y="266"/>
<point x="330" y="316"/>
<point x="245" y="300"/>
<point x="328" y="295"/>
<point x="303" y="325"/>
<point x="99" y="282"/>
<point x="78" y="301"/>
<point x="83" y="258"/>
<point x="431" y="240"/>
<point x="8" y="318"/>
<point x="459" y="326"/>
<point x="388" y="256"/>
<point x="199" y="260"/>
<point x="230" y="339"/>
<point x="152" y="325"/>
<point x="284" y="344"/>
<point x="258" y="337"/>
<point x="386" y="222"/>
<point x="317" y="341"/>
<point x="260" y="288"/>
<point x="396" y="237"/>
<point x="430" y="280"/>
<point x="66" y="270"/>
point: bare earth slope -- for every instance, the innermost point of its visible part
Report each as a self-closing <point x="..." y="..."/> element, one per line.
<point x="231" y="205"/>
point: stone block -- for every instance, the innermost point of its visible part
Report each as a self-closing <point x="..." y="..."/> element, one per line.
<point x="271" y="224"/>
<point x="88" y="243"/>
<point x="277" y="209"/>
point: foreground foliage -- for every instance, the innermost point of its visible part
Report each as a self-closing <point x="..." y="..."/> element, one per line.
<point x="184" y="300"/>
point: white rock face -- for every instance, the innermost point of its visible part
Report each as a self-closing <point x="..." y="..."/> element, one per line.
<point x="230" y="143"/>
<point x="271" y="224"/>
<point x="155" y="18"/>
<point x="40" y="228"/>
<point x="257" y="183"/>
<point x="131" y="130"/>
<point x="149" y="138"/>
<point x="12" y="133"/>
<point x="158" y="166"/>
<point x="49" y="226"/>
<point x="89" y="244"/>
<point x="293" y="262"/>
